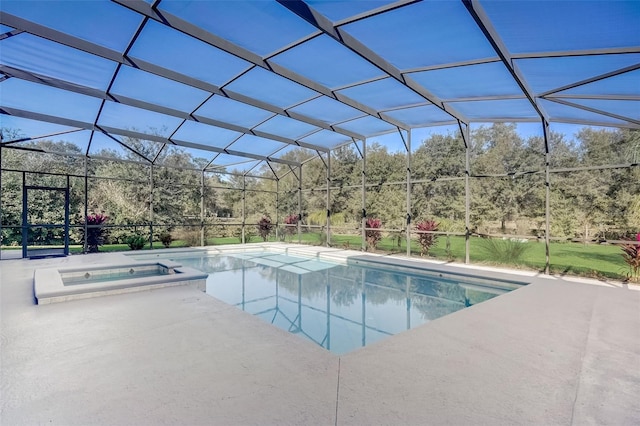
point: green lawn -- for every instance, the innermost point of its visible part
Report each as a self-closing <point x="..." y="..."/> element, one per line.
<point x="566" y="258"/>
<point x="590" y="260"/>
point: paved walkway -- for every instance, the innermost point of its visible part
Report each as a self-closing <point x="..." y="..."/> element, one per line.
<point x="554" y="352"/>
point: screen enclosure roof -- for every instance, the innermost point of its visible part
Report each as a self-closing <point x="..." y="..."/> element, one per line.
<point x="245" y="82"/>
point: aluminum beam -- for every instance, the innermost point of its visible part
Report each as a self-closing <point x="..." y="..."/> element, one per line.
<point x="591" y="80"/>
<point x="603" y="97"/>
<point x="185" y="27"/>
<point x="106" y="53"/>
<point x="185" y="116"/>
<point x="484" y="23"/>
<point x="582" y="52"/>
<point x="596" y="111"/>
<point x="319" y="21"/>
<point x="133" y="134"/>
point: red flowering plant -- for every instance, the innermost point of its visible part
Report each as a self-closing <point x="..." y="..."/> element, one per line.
<point x="631" y="255"/>
<point x="95" y="233"/>
<point x="372" y="232"/>
<point x="290" y="222"/>
<point x="265" y="226"/>
<point x="425" y="239"/>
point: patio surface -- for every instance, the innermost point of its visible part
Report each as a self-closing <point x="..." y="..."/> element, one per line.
<point x="554" y="352"/>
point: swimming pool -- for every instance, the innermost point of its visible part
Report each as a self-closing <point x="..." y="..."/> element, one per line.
<point x="340" y="307"/>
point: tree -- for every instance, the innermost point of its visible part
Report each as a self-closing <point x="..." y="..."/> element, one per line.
<point x="45" y="207"/>
<point x="495" y="152"/>
<point x="605" y="200"/>
<point x="386" y="199"/>
<point x="346" y="171"/>
<point x="440" y="156"/>
<point x="500" y="150"/>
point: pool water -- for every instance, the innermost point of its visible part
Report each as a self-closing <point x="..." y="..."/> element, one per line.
<point x="339" y="307"/>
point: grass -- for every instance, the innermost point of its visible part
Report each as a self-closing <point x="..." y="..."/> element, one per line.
<point x="508" y="252"/>
<point x="591" y="260"/>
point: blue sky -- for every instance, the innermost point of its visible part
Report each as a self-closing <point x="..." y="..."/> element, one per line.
<point x="265" y="28"/>
<point x="525" y="130"/>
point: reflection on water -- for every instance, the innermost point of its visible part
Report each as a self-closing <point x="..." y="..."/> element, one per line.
<point x="339" y="307"/>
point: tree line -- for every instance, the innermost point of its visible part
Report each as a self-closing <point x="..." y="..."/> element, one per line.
<point x="594" y="185"/>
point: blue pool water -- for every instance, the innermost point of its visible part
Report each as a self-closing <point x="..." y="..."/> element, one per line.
<point x="339" y="307"/>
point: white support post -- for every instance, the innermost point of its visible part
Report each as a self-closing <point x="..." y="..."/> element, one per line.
<point x="85" y="216"/>
<point x="467" y="192"/>
<point x="202" y="242"/>
<point x="85" y="248"/>
<point x="408" y="217"/>
<point x="244" y="199"/>
<point x="151" y="206"/>
<point x="277" y="209"/>
<point x="363" y="220"/>
<point x="328" y="201"/>
<point x="300" y="204"/>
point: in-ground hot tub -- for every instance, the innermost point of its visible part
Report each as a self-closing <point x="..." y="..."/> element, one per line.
<point x="61" y="284"/>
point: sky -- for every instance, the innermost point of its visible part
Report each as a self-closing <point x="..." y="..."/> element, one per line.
<point x="394" y="143"/>
<point x="416" y="50"/>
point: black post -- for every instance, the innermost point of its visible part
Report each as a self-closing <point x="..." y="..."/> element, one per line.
<point x="66" y="219"/>
<point x="24" y="216"/>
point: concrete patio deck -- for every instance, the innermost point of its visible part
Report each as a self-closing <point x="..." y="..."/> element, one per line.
<point x="554" y="352"/>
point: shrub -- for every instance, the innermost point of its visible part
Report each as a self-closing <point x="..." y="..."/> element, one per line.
<point x="338" y="218"/>
<point x="504" y="251"/>
<point x="426" y="240"/>
<point x="248" y="234"/>
<point x="191" y="237"/>
<point x="372" y="232"/>
<point x="319" y="217"/>
<point x="264" y="227"/>
<point x="95" y="232"/>
<point x="450" y="225"/>
<point x="136" y="241"/>
<point x="631" y="255"/>
<point x="166" y="239"/>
